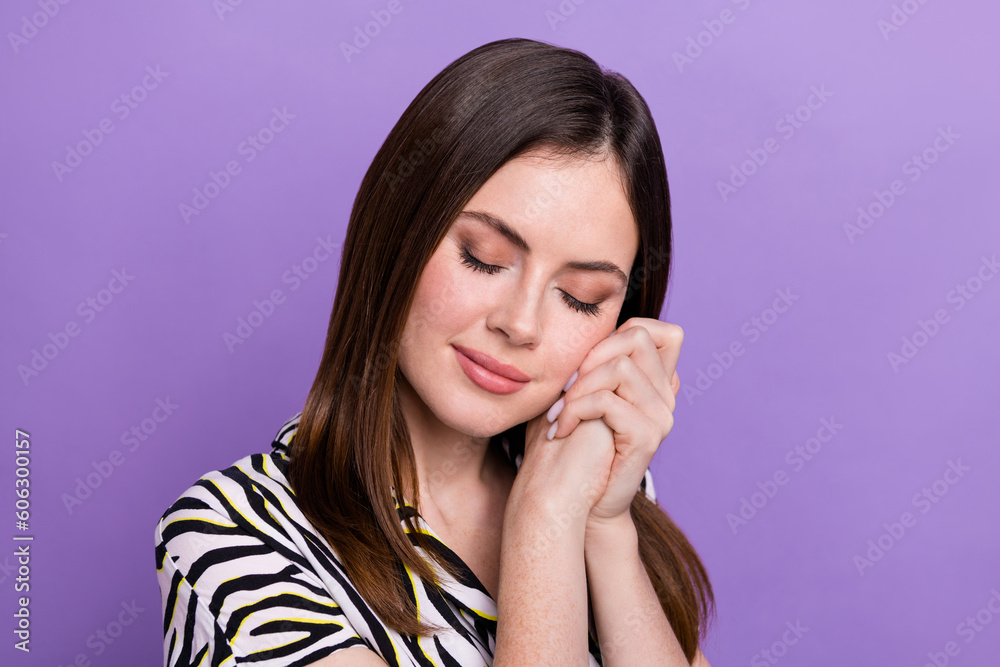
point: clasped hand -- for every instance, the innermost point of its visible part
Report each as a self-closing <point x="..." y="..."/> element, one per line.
<point x="620" y="405"/>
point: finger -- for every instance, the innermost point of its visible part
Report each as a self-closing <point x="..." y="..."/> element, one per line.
<point x="623" y="377"/>
<point x="651" y="360"/>
<point x="631" y="424"/>
<point x="667" y="338"/>
<point x="654" y="345"/>
<point x="641" y="347"/>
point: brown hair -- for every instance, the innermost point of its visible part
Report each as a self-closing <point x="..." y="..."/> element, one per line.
<point x="499" y="101"/>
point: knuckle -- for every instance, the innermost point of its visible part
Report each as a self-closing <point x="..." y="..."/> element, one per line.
<point x="622" y="362"/>
<point x="606" y="398"/>
<point x="572" y="409"/>
<point x="668" y="421"/>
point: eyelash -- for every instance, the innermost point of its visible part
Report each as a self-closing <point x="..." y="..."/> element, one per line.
<point x="490" y="269"/>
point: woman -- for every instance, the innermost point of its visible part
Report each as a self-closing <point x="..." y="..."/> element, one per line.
<point x="516" y="217"/>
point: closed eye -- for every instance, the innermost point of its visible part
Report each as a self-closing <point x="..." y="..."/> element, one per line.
<point x="476" y="265"/>
<point x="469" y="260"/>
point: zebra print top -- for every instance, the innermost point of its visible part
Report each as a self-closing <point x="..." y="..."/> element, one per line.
<point x="245" y="578"/>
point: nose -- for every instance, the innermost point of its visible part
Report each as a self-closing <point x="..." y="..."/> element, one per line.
<point x="516" y="314"/>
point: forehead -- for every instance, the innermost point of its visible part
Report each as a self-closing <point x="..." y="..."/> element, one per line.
<point x="571" y="202"/>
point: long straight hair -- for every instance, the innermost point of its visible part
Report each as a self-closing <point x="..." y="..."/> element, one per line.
<point x="497" y="102"/>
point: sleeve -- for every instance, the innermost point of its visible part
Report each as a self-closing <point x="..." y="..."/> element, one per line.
<point x="228" y="597"/>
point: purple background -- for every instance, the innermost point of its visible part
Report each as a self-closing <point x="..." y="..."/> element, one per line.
<point x="161" y="337"/>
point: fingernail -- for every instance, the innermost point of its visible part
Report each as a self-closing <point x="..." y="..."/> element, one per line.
<point x="612" y="333"/>
<point x="555" y="409"/>
<point x="572" y="379"/>
<point x="552" y="430"/>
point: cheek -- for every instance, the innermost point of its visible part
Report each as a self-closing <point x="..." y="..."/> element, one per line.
<point x="575" y="338"/>
<point x="441" y="300"/>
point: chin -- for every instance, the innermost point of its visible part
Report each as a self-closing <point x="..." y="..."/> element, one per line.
<point x="482" y="418"/>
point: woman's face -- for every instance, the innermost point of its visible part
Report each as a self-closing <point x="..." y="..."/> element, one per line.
<point x="533" y="273"/>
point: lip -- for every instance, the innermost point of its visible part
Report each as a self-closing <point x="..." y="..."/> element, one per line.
<point x="492" y="365"/>
<point x="484" y="377"/>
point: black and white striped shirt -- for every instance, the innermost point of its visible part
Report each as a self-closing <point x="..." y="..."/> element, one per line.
<point x="245" y="578"/>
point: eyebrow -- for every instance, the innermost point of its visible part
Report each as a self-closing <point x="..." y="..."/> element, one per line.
<point x="511" y="235"/>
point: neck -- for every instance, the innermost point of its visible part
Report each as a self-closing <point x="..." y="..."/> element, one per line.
<point x="451" y="465"/>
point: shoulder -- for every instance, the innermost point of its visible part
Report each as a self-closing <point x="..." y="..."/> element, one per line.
<point x="250" y="497"/>
<point x="253" y="477"/>
<point x="241" y="486"/>
<point x="240" y="568"/>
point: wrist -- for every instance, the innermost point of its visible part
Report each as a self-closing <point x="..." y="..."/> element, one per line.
<point x="546" y="519"/>
<point x="550" y="502"/>
<point x="611" y="537"/>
